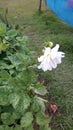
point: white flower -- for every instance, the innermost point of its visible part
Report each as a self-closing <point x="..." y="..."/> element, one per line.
<point x="51" y="58"/>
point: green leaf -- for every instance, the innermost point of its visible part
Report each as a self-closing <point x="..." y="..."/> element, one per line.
<point x="17" y="127"/>
<point x="8" y="128"/>
<point x="5" y="127"/>
<point x="38" y="104"/>
<point x="4" y="75"/>
<point x="21" y="67"/>
<point x="2" y="29"/>
<point x="3" y="46"/>
<point x="7" y="108"/>
<point x="24" y="103"/>
<point x="41" y="103"/>
<point x="39" y="89"/>
<point x="12" y="33"/>
<point x="16" y="85"/>
<point x="4" y="99"/>
<point x="23" y="39"/>
<point x="30" y="127"/>
<point x="15" y="59"/>
<point x="16" y="115"/>
<point x="1" y="127"/>
<point x="42" y="119"/>
<point x="27" y="77"/>
<point x="27" y="119"/>
<point x="45" y="127"/>
<point x="3" y="65"/>
<point x="14" y="99"/>
<point x="7" y="118"/>
<point x="35" y="107"/>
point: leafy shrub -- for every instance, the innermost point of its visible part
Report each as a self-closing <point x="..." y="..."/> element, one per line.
<point x="21" y="102"/>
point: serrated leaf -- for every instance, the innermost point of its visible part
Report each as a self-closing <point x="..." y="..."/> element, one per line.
<point x="16" y="84"/>
<point x="41" y="103"/>
<point x="42" y="119"/>
<point x="35" y="107"/>
<point x="7" y="118"/>
<point x="21" y="67"/>
<point x="26" y="120"/>
<point x="45" y="127"/>
<point x="30" y="127"/>
<point x="3" y="65"/>
<point x="23" y="39"/>
<point x="17" y="127"/>
<point x="2" y="29"/>
<point x="3" y="98"/>
<point x="4" y="90"/>
<point x="3" y="46"/>
<point x="16" y="115"/>
<point x="15" y="59"/>
<point x="4" y="75"/>
<point x="5" y="127"/>
<point x="24" y="103"/>
<point x="12" y="33"/>
<point x="11" y="71"/>
<point x="14" y="99"/>
<point x="27" y="77"/>
<point x="39" y="89"/>
<point x="38" y="104"/>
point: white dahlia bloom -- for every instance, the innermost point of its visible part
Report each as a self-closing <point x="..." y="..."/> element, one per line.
<point x="51" y="58"/>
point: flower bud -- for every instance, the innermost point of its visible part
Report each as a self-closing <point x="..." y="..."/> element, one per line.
<point x="50" y="44"/>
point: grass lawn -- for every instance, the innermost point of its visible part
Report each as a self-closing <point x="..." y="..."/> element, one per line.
<point x="39" y="28"/>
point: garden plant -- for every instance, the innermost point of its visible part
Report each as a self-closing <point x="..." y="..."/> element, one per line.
<point x="22" y="102"/>
<point x="34" y="94"/>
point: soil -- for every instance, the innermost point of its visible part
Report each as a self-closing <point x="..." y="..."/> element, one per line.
<point x="51" y="108"/>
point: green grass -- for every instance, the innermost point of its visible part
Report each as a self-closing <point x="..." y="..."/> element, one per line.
<point x="39" y="28"/>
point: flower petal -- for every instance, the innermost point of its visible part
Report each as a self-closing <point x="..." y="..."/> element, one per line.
<point x="40" y="59"/>
<point x="54" y="51"/>
<point x="51" y="58"/>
